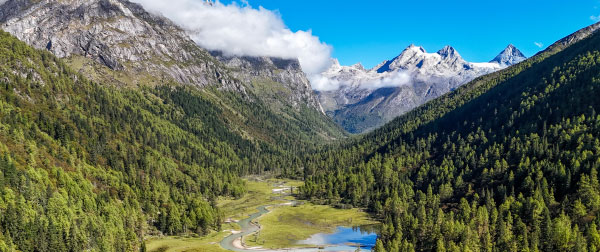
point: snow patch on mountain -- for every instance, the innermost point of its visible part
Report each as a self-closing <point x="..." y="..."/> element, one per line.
<point x="361" y="99"/>
<point x="413" y="63"/>
<point x="510" y="56"/>
<point x="357" y="76"/>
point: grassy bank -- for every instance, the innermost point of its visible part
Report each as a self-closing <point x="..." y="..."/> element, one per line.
<point x="281" y="228"/>
<point x="209" y="243"/>
<point x="260" y="192"/>
<point x="285" y="225"/>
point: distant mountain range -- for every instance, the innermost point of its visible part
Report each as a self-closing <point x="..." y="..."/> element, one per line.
<point x="367" y="99"/>
<point x="146" y="48"/>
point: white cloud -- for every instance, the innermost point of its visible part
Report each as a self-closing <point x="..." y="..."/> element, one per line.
<point x="538" y="44"/>
<point x="369" y="81"/>
<point x="595" y="18"/>
<point x="394" y="79"/>
<point x="322" y="83"/>
<point x="243" y="30"/>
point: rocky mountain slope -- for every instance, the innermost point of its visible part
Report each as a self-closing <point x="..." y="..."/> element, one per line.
<point x="277" y="81"/>
<point x="367" y="99"/>
<point x="115" y="33"/>
<point x="134" y="131"/>
<point x="143" y="48"/>
<point x="265" y="103"/>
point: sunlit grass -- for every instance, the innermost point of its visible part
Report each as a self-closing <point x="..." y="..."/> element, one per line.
<point x="286" y="225"/>
<point x="209" y="243"/>
<point x="260" y="192"/>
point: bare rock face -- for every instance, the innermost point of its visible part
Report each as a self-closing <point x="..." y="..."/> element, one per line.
<point x="115" y="33"/>
<point x="274" y="79"/>
<point x="124" y="37"/>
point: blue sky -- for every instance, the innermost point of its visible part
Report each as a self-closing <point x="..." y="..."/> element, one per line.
<point x="372" y="31"/>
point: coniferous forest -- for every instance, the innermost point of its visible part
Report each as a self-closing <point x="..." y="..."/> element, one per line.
<point x="507" y="162"/>
<point x="90" y="166"/>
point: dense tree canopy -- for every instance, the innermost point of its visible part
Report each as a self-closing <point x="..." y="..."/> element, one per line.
<point x="87" y="165"/>
<point x="508" y="162"/>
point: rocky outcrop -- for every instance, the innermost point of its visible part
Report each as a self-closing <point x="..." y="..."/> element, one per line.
<point x="118" y="34"/>
<point x="125" y="38"/>
<point x="279" y="78"/>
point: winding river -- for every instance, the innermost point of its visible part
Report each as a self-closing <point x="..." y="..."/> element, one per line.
<point x="247" y="228"/>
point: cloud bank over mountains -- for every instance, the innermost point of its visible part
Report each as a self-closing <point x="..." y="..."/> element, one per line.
<point x="244" y="31"/>
<point x="334" y="79"/>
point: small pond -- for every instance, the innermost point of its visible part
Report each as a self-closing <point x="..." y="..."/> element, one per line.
<point x="346" y="238"/>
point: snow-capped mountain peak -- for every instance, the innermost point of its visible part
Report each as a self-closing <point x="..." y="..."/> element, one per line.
<point x="509" y="56"/>
<point x="448" y="52"/>
<point x="398" y="85"/>
<point x="413" y="47"/>
<point x="335" y="63"/>
<point x="409" y="58"/>
<point x="413" y="58"/>
<point x="359" y="66"/>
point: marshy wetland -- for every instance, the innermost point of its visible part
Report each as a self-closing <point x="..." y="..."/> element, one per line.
<point x="270" y="218"/>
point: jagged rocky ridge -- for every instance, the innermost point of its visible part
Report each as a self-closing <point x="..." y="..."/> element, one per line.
<point x="274" y="79"/>
<point x="147" y="48"/>
<point x="115" y="33"/>
<point x="367" y="99"/>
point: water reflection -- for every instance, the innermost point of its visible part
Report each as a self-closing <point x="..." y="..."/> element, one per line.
<point x="365" y="236"/>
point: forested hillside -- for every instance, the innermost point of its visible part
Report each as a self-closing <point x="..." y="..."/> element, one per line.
<point x="508" y="162"/>
<point x="87" y="165"/>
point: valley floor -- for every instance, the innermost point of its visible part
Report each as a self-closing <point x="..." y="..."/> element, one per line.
<point x="287" y="221"/>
